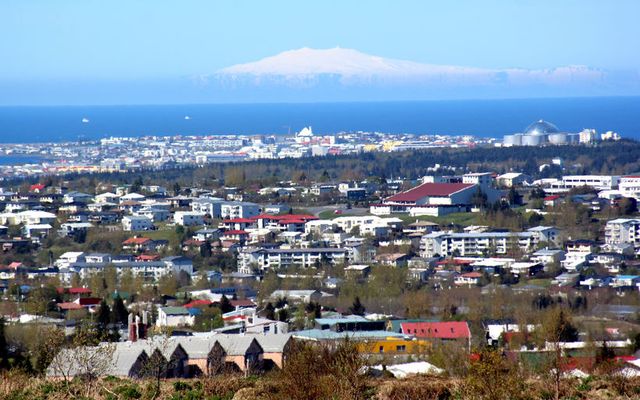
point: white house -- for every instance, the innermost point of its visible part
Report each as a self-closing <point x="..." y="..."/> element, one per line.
<point x="238" y="209"/>
<point x="137" y="223"/>
<point x="174" y="317"/>
<point x="188" y="218"/>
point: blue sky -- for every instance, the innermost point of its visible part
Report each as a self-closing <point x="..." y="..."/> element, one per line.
<point x="141" y="51"/>
<point x="153" y="39"/>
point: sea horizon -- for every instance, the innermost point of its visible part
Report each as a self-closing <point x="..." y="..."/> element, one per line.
<point x="481" y="118"/>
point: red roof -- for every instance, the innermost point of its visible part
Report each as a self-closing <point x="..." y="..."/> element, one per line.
<point x="429" y="190"/>
<point x="472" y="275"/>
<point x="198" y="303"/>
<point x="265" y="216"/>
<point x="242" y="303"/>
<point x="88" y="301"/>
<point x="304" y="217"/>
<point x="437" y="330"/>
<point x="69" y="306"/>
<point x="553" y="197"/>
<point x="148" y="257"/>
<point x="79" y="290"/>
<point x="137" y="240"/>
<point x="37" y="186"/>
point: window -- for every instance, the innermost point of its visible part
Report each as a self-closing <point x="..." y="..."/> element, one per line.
<point x="401" y="348"/>
<point x="381" y="349"/>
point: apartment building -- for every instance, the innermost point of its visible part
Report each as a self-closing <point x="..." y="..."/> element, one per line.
<point x="188" y="218"/>
<point x="264" y="259"/>
<point x="622" y="231"/>
<point x="238" y="209"/>
<point x="447" y="244"/>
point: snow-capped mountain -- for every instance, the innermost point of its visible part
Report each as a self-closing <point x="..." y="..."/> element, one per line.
<point x="309" y="67"/>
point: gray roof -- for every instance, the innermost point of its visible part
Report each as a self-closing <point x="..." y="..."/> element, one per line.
<point x="273" y="343"/>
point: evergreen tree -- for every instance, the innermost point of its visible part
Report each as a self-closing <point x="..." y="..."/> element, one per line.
<point x="103" y="317"/>
<point x="283" y="315"/>
<point x="119" y="313"/>
<point x="225" y="305"/>
<point x="270" y="311"/>
<point x="4" y="353"/>
<point x="357" y="308"/>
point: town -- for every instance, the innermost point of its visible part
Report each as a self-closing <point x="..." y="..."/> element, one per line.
<point x="130" y="154"/>
<point x="418" y="273"/>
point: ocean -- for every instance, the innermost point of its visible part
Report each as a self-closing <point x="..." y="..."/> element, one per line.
<point x="485" y="118"/>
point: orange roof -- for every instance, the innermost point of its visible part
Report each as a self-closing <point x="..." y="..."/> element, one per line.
<point x="137" y="240"/>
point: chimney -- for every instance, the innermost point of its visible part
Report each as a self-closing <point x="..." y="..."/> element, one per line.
<point x="133" y="331"/>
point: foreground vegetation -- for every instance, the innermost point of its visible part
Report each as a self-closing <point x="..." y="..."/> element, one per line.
<point x="320" y="372"/>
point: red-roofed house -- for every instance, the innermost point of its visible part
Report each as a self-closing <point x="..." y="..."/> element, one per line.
<point x="468" y="279"/>
<point x="198" y="303"/>
<point x="428" y="199"/>
<point x="236" y="236"/>
<point x="143" y="244"/>
<point x="438" y="331"/>
<point x="37" y="188"/>
<point x="552" y="201"/>
<point x="434" y="193"/>
<point x="286" y="222"/>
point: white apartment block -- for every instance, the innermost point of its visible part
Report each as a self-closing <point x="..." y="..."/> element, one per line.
<point x="136" y="223"/>
<point x="630" y="186"/>
<point x="188" y="218"/>
<point x="622" y="231"/>
<point x="446" y="244"/>
<point x="239" y="209"/>
<point x="482" y="179"/>
<point x="368" y="225"/>
<point x="207" y="206"/>
<point x="264" y="259"/>
<point x="599" y="182"/>
<point x="150" y="271"/>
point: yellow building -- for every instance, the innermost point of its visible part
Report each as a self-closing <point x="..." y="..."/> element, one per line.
<point x="393" y="345"/>
<point x="390" y="145"/>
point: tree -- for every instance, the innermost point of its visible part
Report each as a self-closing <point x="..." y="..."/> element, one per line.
<point x="225" y="305"/>
<point x="556" y="329"/>
<point x="4" y="353"/>
<point x="269" y="311"/>
<point x="283" y="315"/>
<point x="513" y="197"/>
<point x="357" y="308"/>
<point x="103" y="317"/>
<point x="119" y="313"/>
<point x="479" y="198"/>
<point x="494" y="377"/>
<point x="628" y="206"/>
<point x="168" y="284"/>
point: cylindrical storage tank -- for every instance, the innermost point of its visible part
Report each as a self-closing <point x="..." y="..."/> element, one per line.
<point x="508" y="140"/>
<point x="517" y="139"/>
<point x="558" y="138"/>
<point x="531" y="140"/>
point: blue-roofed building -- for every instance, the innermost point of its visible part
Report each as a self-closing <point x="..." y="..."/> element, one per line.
<point x="350" y="323"/>
<point x="625" y="281"/>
